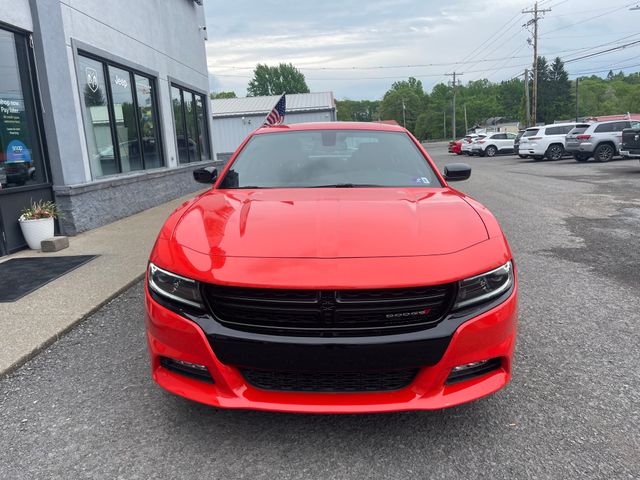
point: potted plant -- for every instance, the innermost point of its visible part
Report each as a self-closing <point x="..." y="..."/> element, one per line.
<point x="36" y="222"/>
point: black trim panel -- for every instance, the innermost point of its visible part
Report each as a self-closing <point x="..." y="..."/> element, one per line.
<point x="338" y="354"/>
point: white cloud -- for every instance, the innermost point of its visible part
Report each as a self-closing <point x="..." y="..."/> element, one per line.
<point x="347" y="33"/>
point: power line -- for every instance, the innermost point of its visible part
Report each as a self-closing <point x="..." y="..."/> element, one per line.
<point x="620" y="67"/>
<point x="602" y="52"/>
<point x="589" y="19"/>
<point x="438" y="64"/>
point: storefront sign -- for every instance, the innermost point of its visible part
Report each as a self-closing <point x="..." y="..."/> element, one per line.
<point x="92" y="79"/>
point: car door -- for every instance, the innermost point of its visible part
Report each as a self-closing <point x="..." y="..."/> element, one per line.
<point x="499" y="140"/>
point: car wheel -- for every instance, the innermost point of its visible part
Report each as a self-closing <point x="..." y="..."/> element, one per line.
<point x="580" y="157"/>
<point x="522" y="156"/>
<point x="537" y="158"/>
<point x="458" y="153"/>
<point x="604" y="153"/>
<point x="490" y="151"/>
<point x="555" y="152"/>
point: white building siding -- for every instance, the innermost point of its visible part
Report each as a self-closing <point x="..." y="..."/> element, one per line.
<point x="229" y="132"/>
<point x="16" y="13"/>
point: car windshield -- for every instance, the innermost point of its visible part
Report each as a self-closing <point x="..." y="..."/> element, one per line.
<point x="330" y="158"/>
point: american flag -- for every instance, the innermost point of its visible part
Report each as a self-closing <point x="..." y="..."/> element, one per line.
<point x="276" y="117"/>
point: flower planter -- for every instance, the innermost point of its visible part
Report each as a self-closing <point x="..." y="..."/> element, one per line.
<point x="34" y="231"/>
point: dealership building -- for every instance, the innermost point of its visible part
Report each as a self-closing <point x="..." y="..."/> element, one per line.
<point x="103" y="108"/>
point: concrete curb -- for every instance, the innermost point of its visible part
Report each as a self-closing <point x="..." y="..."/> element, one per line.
<point x="51" y="340"/>
<point x="38" y="319"/>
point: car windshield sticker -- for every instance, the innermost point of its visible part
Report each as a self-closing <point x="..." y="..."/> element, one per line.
<point x="421" y="180"/>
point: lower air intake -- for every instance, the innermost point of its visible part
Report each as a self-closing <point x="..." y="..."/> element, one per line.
<point x="334" y="382"/>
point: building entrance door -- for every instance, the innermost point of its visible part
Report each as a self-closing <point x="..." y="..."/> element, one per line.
<point x="24" y="175"/>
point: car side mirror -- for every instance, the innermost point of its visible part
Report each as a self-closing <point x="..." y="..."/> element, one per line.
<point x="455" y="172"/>
<point x="207" y="175"/>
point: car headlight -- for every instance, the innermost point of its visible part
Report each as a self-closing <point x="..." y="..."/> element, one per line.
<point x="484" y="287"/>
<point x="172" y="286"/>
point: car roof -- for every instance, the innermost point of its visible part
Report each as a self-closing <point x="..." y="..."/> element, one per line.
<point x="297" y="127"/>
<point x="611" y="121"/>
<point x="566" y="124"/>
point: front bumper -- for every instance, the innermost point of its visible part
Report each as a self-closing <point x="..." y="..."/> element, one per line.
<point x="456" y="340"/>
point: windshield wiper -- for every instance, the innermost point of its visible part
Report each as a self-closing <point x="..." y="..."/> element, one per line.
<point x="346" y="185"/>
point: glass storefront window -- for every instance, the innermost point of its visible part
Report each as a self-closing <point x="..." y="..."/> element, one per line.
<point x="178" y="117"/>
<point x="192" y="126"/>
<point x="203" y="137"/>
<point x="189" y="115"/>
<point x="93" y="91"/>
<point x="123" y="113"/>
<point x="21" y="160"/>
<point x="148" y="128"/>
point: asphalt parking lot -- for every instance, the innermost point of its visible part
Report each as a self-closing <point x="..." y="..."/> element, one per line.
<point x="86" y="407"/>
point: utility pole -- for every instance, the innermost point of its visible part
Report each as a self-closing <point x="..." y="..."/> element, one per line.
<point x="453" y="118"/>
<point x="577" y="91"/>
<point x="534" y="21"/>
<point x="444" y="125"/>
<point x="466" y="126"/>
<point x="404" y="117"/>
<point x="527" y="98"/>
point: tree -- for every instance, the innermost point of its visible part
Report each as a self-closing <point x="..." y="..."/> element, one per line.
<point x="404" y="102"/>
<point x="93" y="98"/>
<point x="357" y="110"/>
<point x="284" y="78"/>
<point x="545" y="99"/>
<point x="218" y="95"/>
<point x="561" y="94"/>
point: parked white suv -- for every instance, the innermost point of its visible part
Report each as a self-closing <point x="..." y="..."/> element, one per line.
<point x="493" y="144"/>
<point x="546" y="141"/>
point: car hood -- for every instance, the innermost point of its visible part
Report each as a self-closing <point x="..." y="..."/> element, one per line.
<point x="329" y="223"/>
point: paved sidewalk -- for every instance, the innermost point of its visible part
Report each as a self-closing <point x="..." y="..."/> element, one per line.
<point x="36" y="320"/>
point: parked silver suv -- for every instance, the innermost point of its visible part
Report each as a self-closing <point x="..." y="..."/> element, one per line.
<point x="600" y="140"/>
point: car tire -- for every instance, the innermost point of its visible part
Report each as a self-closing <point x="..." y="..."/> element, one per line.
<point x="580" y="157"/>
<point x="604" y="152"/>
<point x="522" y="156"/>
<point x="537" y="158"/>
<point x="555" y="152"/>
<point x="490" y="151"/>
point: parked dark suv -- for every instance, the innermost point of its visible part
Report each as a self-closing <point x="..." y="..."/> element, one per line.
<point x="630" y="146"/>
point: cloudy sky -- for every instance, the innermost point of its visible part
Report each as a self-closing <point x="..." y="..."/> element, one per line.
<point x="326" y="39"/>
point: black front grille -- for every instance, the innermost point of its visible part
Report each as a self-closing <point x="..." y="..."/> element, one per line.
<point x="329" y="312"/>
<point x="335" y="382"/>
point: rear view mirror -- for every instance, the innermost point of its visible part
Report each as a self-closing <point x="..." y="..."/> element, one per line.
<point x="207" y="175"/>
<point x="455" y="172"/>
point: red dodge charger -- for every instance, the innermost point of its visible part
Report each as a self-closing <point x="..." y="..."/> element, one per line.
<point x="331" y="268"/>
